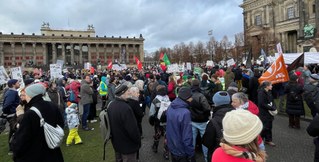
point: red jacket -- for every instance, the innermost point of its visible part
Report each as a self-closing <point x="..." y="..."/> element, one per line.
<point x="171" y="90"/>
<point x="220" y="156"/>
<point x="74" y="86"/>
<point x="253" y="108"/>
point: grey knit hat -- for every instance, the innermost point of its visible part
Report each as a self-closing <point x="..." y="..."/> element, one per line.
<point x="34" y="90"/>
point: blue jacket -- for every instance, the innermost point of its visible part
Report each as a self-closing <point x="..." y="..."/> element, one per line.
<point x="179" y="129"/>
<point x="11" y="101"/>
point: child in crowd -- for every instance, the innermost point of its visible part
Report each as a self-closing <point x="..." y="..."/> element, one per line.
<point x="73" y="123"/>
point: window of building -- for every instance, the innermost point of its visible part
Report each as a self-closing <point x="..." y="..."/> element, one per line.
<point x="314" y="8"/>
<point x="291" y="12"/>
<point x="258" y="20"/>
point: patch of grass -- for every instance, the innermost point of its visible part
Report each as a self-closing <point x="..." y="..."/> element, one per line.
<point x="90" y="150"/>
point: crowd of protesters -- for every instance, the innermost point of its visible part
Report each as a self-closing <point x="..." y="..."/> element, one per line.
<point x="183" y="108"/>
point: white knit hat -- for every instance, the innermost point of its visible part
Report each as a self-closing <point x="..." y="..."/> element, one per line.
<point x="241" y="127"/>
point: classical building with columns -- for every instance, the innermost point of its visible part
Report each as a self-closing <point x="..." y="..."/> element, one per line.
<point x="74" y="47"/>
<point x="293" y="23"/>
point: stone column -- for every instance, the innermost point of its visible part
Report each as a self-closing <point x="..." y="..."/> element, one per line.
<point x="13" y="53"/>
<point x="127" y="54"/>
<point x="112" y="52"/>
<point x="34" y="52"/>
<point x="44" y="53"/>
<point x="81" y="54"/>
<point x="267" y="13"/>
<point x="141" y="52"/>
<point x="23" y="54"/>
<point x="97" y="52"/>
<point x="301" y="19"/>
<point x="63" y="52"/>
<point x="53" y="53"/>
<point x="317" y="16"/>
<point x="105" y="54"/>
<point x="89" y="53"/>
<point x="120" y="55"/>
<point x="72" y="53"/>
<point x="1" y="54"/>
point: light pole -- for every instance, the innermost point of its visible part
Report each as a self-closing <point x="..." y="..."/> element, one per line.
<point x="210" y="33"/>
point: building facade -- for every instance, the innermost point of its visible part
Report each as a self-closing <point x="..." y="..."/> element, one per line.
<point x="293" y="23"/>
<point x="74" y="47"/>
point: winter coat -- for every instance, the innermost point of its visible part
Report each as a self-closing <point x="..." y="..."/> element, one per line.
<point x="171" y="90"/>
<point x="72" y="117"/>
<point x="74" y="86"/>
<point x="179" y="129"/>
<point x="62" y="90"/>
<point x="264" y="101"/>
<point x="103" y="86"/>
<point x="199" y="107"/>
<point x="253" y="88"/>
<point x="213" y="133"/>
<point x="29" y="143"/>
<point x="111" y="91"/>
<point x="221" y="156"/>
<point x="252" y="107"/>
<point x="294" y="102"/>
<point x="229" y="77"/>
<point x="126" y="138"/>
<point x="86" y="93"/>
<point x="11" y="101"/>
<point x="137" y="109"/>
<point x="313" y="130"/>
<point x="57" y="99"/>
<point x="245" y="81"/>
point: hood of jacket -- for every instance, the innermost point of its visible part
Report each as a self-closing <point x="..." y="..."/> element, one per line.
<point x="179" y="103"/>
<point x="60" y="82"/>
<point x="103" y="79"/>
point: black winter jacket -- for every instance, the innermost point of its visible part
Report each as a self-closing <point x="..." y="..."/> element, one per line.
<point x="199" y="107"/>
<point x="126" y="138"/>
<point x="29" y="143"/>
<point x="313" y="130"/>
<point x="294" y="102"/>
<point x="264" y="99"/>
<point x="212" y="135"/>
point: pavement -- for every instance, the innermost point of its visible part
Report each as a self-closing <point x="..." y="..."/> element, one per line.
<point x="292" y="145"/>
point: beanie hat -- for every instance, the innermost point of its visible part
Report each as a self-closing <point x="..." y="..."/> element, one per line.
<point x="68" y="103"/>
<point x="233" y="84"/>
<point x="34" y="90"/>
<point x="221" y="98"/>
<point x="185" y="93"/>
<point x="241" y="127"/>
<point x="12" y="82"/>
<point x="28" y="81"/>
<point x="195" y="83"/>
<point x="120" y="90"/>
<point x="73" y="105"/>
<point x="293" y="77"/>
<point x="161" y="90"/>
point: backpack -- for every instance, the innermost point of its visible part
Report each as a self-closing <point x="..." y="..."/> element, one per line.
<point x="72" y="97"/>
<point x="105" y="126"/>
<point x="53" y="135"/>
<point x="161" y="114"/>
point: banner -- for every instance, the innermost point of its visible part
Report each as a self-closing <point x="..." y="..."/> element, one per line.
<point x="198" y="70"/>
<point x="4" y="77"/>
<point x="173" y="68"/>
<point x="119" y="67"/>
<point x="231" y="62"/>
<point x="276" y="73"/>
<point x="16" y="73"/>
<point x="55" y="71"/>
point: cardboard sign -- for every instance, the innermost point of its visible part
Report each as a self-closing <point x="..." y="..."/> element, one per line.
<point x="231" y="62"/>
<point x="16" y="73"/>
<point x="198" y="70"/>
<point x="172" y="68"/>
<point x="4" y="77"/>
<point x="87" y="66"/>
<point x="188" y="66"/>
<point x="56" y="71"/>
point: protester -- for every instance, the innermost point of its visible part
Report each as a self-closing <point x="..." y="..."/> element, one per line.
<point x="179" y="128"/>
<point x="126" y="138"/>
<point x="229" y="77"/>
<point x="311" y="94"/>
<point x="313" y="130"/>
<point x="55" y="96"/>
<point x="86" y="100"/>
<point x="253" y="86"/>
<point x="10" y="102"/>
<point x="103" y="90"/>
<point x="171" y="87"/>
<point x="266" y="103"/>
<point x="239" y="143"/>
<point x="213" y="131"/>
<point x="200" y="112"/>
<point x="111" y="90"/>
<point x="294" y="102"/>
<point x="29" y="142"/>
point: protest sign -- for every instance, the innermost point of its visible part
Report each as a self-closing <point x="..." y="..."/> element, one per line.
<point x="231" y="62"/>
<point x="198" y="70"/>
<point x="188" y="66"/>
<point x="60" y="62"/>
<point x="172" y="68"/>
<point x="4" y="77"/>
<point x="16" y="73"/>
<point x="56" y="71"/>
<point x="210" y="63"/>
<point x="87" y="65"/>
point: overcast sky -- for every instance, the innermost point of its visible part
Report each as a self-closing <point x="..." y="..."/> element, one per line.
<point x="163" y="23"/>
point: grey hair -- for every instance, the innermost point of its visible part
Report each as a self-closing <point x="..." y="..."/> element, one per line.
<point x="242" y="97"/>
<point x="134" y="89"/>
<point x="139" y="84"/>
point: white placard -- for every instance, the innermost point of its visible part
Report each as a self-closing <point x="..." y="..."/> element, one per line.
<point x="279" y="49"/>
<point x="60" y="62"/>
<point x="87" y="65"/>
<point x="4" y="77"/>
<point x="188" y="66"/>
<point x="231" y="62"/>
<point x="16" y="73"/>
<point x="172" y="68"/>
<point x="210" y="63"/>
<point x="55" y="71"/>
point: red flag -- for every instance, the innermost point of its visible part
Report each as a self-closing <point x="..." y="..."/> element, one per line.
<point x="138" y="62"/>
<point x="276" y="73"/>
<point x="109" y="66"/>
<point x="163" y="65"/>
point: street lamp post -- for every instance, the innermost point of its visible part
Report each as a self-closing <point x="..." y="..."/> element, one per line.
<point x="210" y="33"/>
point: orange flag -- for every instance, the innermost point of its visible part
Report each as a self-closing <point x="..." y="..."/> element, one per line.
<point x="276" y="73"/>
<point x="138" y="62"/>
